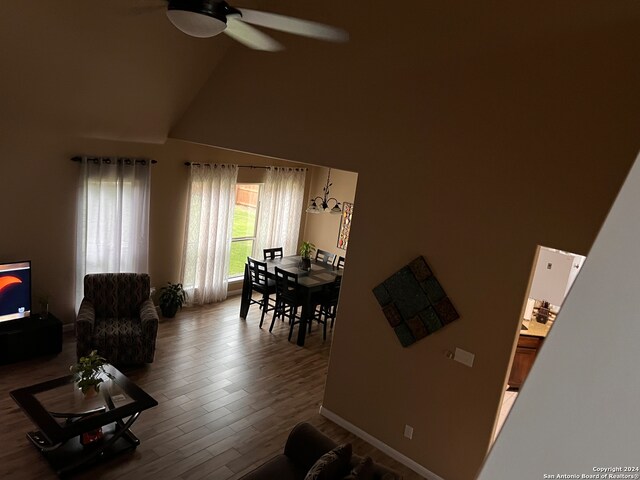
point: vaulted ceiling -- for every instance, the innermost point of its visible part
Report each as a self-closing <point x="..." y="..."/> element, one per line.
<point x="114" y="69"/>
<point x="117" y="69"/>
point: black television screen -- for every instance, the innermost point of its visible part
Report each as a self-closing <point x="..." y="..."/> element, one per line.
<point x="15" y="290"/>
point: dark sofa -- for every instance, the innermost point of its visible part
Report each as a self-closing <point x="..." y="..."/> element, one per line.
<point x="304" y="446"/>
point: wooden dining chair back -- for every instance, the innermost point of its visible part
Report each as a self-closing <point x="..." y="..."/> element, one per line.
<point x="288" y="298"/>
<point x="328" y="258"/>
<point x="340" y="263"/>
<point x="261" y="283"/>
<point x="329" y="305"/>
<point x="272" y="253"/>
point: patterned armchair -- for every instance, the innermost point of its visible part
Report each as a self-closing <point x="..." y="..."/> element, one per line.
<point x="117" y="318"/>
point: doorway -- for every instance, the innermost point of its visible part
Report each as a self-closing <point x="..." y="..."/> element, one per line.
<point x="552" y="275"/>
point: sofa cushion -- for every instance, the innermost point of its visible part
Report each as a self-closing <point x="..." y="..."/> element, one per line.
<point x="363" y="470"/>
<point x="306" y="444"/>
<point x="119" y="339"/>
<point x="332" y="465"/>
<point x="280" y="467"/>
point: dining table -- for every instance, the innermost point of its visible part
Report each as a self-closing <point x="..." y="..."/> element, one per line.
<point x="309" y="283"/>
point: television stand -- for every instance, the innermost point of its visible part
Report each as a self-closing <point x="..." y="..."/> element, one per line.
<point x="29" y="337"/>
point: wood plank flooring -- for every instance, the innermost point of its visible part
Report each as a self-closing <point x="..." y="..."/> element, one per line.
<point x="508" y="400"/>
<point x="228" y="393"/>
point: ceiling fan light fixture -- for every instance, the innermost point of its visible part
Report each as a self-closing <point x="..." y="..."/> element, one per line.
<point x="198" y="18"/>
<point x="208" y="18"/>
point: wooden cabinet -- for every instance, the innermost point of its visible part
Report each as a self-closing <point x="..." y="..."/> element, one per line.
<point x="526" y="352"/>
<point x="29" y="337"/>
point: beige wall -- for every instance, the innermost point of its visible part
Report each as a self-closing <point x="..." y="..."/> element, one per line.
<point x="322" y="229"/>
<point x="39" y="182"/>
<point x="579" y="387"/>
<point x="478" y="131"/>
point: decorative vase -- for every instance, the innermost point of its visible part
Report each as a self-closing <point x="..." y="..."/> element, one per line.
<point x="305" y="263"/>
<point x="90" y="393"/>
<point x="169" y="311"/>
<point x="91" y="437"/>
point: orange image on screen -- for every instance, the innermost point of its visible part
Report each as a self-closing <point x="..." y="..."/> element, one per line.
<point x="8" y="280"/>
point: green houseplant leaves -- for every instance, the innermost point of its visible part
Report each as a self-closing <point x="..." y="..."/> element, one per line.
<point x="89" y="372"/>
<point x="172" y="297"/>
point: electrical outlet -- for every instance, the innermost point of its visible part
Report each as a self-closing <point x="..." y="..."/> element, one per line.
<point x="408" y="431"/>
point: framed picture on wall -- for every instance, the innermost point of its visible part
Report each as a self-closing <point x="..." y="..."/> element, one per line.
<point x="345" y="225"/>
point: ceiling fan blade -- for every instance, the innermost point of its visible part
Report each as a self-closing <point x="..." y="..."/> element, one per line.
<point x="293" y="25"/>
<point x="250" y="36"/>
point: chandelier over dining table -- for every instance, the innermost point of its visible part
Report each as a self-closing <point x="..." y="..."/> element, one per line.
<point x="321" y="204"/>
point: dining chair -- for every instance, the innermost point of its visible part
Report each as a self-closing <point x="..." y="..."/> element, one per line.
<point x="340" y="263"/>
<point x="288" y="298"/>
<point x="328" y="258"/>
<point x="262" y="284"/>
<point x="328" y="305"/>
<point x="271" y="253"/>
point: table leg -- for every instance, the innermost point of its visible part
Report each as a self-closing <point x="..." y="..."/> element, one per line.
<point x="305" y="316"/>
<point x="99" y="451"/>
<point x="246" y="293"/>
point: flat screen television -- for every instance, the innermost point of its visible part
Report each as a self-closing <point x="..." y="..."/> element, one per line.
<point x="15" y="290"/>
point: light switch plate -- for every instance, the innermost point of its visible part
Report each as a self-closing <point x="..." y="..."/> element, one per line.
<point x="464" y="357"/>
<point x="408" y="432"/>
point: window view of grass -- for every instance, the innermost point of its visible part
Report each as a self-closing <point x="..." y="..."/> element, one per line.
<point x="244" y="224"/>
<point x="244" y="221"/>
<point x="239" y="252"/>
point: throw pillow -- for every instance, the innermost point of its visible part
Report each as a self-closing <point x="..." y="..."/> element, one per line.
<point x="332" y="464"/>
<point x="363" y="470"/>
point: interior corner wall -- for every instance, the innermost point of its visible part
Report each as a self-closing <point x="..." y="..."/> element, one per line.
<point x="578" y="410"/>
<point x="322" y="229"/>
<point x="478" y="131"/>
<point x="40" y="183"/>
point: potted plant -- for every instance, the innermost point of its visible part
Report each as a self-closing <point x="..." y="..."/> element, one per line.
<point x="306" y="249"/>
<point x="89" y="373"/>
<point x="172" y="297"/>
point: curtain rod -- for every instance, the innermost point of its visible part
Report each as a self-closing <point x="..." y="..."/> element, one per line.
<point x="242" y="166"/>
<point x="188" y="164"/>
<point x="108" y="159"/>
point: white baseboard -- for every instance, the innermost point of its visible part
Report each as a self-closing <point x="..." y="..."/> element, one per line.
<point x="383" y="447"/>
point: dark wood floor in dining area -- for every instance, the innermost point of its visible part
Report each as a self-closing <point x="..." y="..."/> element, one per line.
<point x="228" y="394"/>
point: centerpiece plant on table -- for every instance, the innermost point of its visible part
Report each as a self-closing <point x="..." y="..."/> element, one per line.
<point x="306" y="249"/>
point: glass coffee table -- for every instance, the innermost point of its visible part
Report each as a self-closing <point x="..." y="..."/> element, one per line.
<point x="76" y="431"/>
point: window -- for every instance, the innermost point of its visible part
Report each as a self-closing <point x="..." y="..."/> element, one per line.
<point x="207" y="242"/>
<point x="113" y="219"/>
<point x="245" y="220"/>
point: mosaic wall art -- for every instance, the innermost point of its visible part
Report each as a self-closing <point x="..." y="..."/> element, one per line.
<point x="414" y="302"/>
<point x="345" y="225"/>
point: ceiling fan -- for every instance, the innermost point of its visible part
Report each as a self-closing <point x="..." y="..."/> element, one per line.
<point x="208" y="18"/>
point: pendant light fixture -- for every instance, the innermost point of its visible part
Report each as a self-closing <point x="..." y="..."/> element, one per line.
<point x="321" y="204"/>
<point x="200" y="18"/>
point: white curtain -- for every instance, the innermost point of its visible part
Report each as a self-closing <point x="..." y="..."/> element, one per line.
<point x="112" y="228"/>
<point x="281" y="205"/>
<point x="207" y="242"/>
